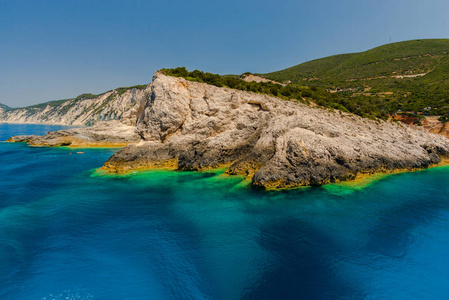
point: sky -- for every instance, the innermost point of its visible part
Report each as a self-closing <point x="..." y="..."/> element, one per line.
<point x="53" y="50"/>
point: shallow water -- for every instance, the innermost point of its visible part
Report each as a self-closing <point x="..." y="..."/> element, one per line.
<point x="67" y="232"/>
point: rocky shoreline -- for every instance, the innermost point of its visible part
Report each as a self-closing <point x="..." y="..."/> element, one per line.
<point x="188" y="125"/>
<point x="107" y="134"/>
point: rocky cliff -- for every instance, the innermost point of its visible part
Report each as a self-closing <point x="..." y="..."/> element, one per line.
<point x="3" y="108"/>
<point x="121" y="104"/>
<point x="194" y="126"/>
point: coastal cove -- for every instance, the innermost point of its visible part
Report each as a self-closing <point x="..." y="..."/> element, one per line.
<point x="68" y="233"/>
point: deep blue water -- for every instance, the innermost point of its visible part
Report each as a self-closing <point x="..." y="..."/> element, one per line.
<point x="68" y="233"/>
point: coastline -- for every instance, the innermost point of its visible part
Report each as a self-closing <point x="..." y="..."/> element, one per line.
<point x="277" y="144"/>
<point x="92" y="145"/>
<point x="360" y="181"/>
<point x="43" y="124"/>
<point x="105" y="135"/>
<point x="77" y="145"/>
<point x="366" y="179"/>
<point x="170" y="165"/>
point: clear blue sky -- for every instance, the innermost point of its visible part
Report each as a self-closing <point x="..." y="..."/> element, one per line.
<point x="60" y="49"/>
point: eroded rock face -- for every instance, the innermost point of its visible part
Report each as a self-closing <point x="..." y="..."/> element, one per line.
<point x="433" y="125"/>
<point x="195" y="126"/>
<point x="430" y="123"/>
<point x="125" y="107"/>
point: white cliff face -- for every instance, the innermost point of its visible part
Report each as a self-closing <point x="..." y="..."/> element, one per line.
<point x="3" y="108"/>
<point x="87" y="112"/>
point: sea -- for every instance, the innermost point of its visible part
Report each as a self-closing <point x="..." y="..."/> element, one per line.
<point x="68" y="231"/>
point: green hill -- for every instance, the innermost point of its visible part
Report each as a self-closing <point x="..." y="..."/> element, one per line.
<point x="4" y="106"/>
<point x="410" y="76"/>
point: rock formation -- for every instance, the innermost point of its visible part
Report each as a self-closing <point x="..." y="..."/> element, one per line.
<point x="105" y="134"/>
<point x="112" y="105"/>
<point x="194" y="126"/>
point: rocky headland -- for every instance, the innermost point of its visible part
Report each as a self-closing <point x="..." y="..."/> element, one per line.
<point x="187" y="125"/>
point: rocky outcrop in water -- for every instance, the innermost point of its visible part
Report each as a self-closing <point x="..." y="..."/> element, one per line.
<point x="105" y="134"/>
<point x="193" y="126"/>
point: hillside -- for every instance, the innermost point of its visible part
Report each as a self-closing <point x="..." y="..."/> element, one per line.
<point x="407" y="76"/>
<point x="86" y="109"/>
<point x="411" y="76"/>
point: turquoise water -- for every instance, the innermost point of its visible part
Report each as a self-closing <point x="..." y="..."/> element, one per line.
<point x="68" y="233"/>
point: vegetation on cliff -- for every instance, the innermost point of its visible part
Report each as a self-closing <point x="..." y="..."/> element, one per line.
<point x="406" y="76"/>
<point x="122" y="90"/>
<point x="364" y="107"/>
<point x="277" y="143"/>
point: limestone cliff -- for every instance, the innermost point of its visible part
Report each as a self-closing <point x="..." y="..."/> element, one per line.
<point x="113" y="105"/>
<point x="3" y="108"/>
<point x="194" y="126"/>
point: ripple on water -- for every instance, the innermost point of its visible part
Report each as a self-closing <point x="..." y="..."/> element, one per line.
<point x="69" y="295"/>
